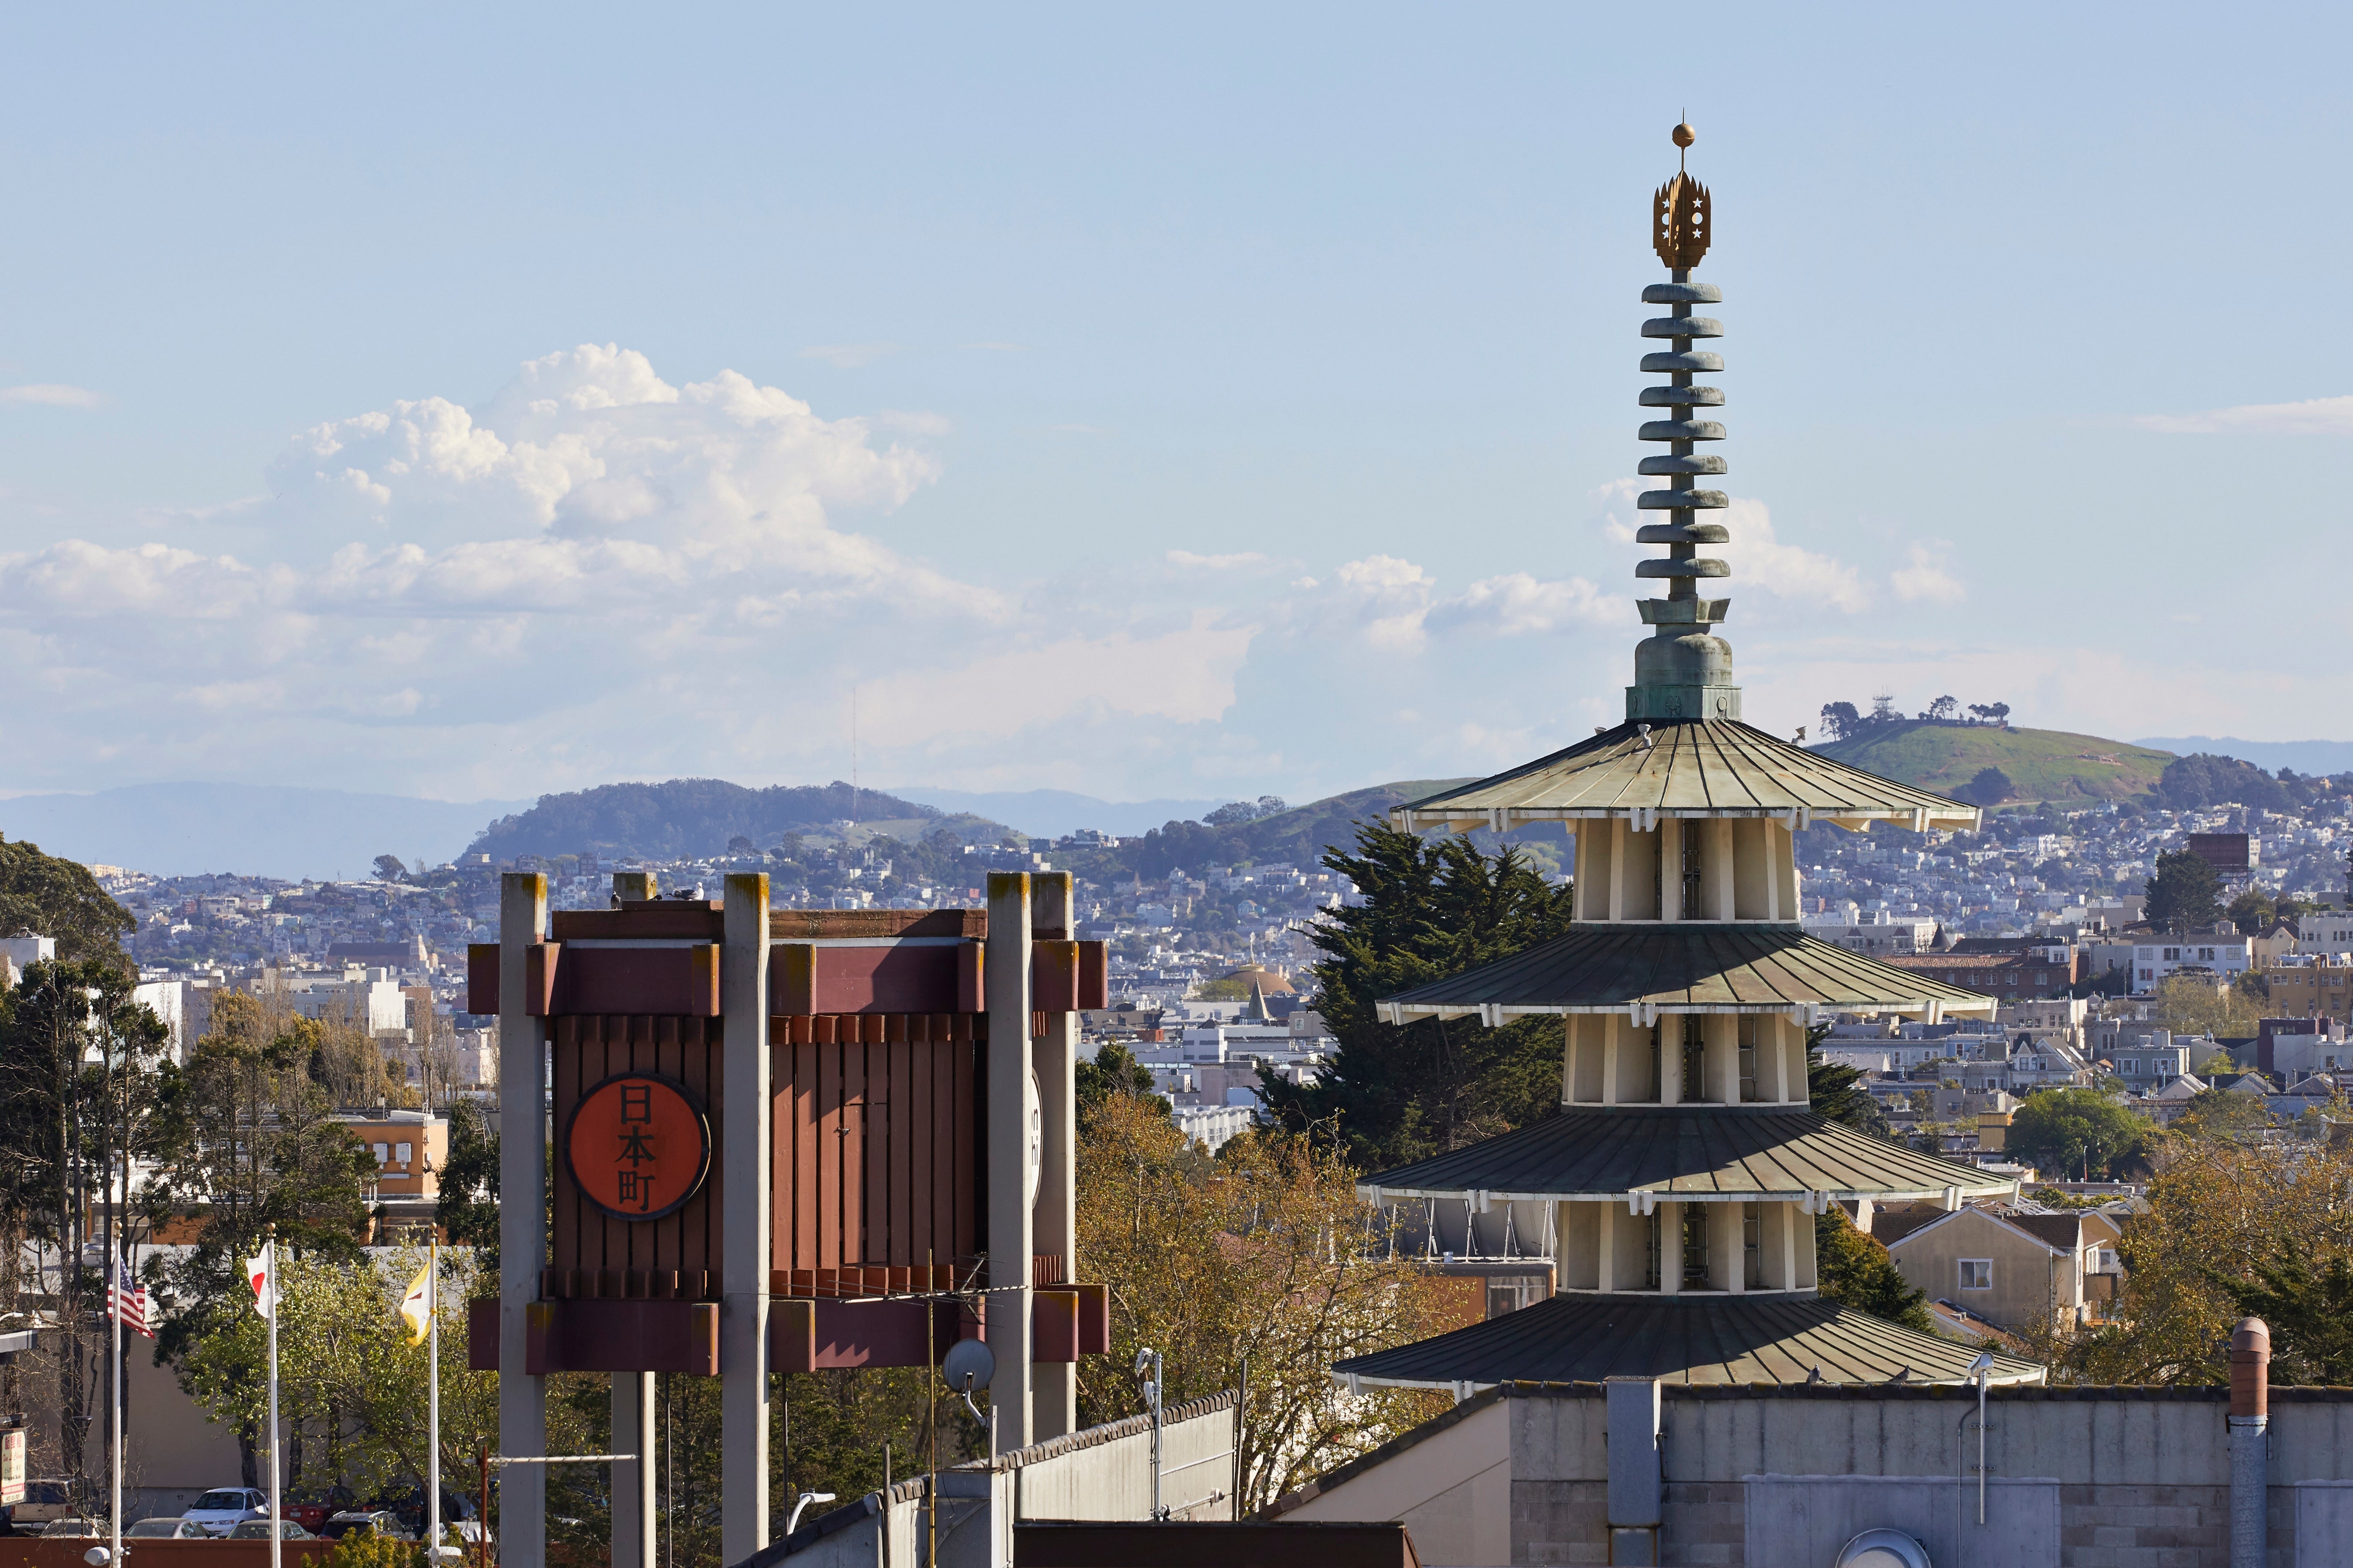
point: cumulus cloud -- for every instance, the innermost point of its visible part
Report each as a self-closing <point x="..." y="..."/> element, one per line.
<point x="1928" y="577"/>
<point x="2315" y="417"/>
<point x="1393" y="604"/>
<point x="1215" y="562"/>
<point x="55" y="395"/>
<point x="1758" y="557"/>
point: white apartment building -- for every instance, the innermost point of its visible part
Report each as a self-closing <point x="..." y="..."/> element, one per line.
<point x="2227" y="956"/>
<point x="2329" y="931"/>
<point x="1874" y="933"/>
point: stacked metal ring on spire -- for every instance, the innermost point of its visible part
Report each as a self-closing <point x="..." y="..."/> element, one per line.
<point x="1680" y="468"/>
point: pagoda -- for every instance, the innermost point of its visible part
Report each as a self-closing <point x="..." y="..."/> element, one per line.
<point x="1676" y="1190"/>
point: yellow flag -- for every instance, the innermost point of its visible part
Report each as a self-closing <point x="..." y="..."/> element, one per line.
<point x="418" y="1305"/>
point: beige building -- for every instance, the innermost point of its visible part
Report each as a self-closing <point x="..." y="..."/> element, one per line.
<point x="2004" y="1265"/>
<point x="2324" y="987"/>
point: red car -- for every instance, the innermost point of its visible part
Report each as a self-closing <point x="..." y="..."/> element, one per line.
<point x="311" y="1508"/>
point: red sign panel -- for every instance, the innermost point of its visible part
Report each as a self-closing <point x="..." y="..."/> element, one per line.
<point x="638" y="1145"/>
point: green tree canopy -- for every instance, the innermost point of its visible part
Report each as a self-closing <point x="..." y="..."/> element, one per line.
<point x="1990" y="787"/>
<point x="1856" y="1271"/>
<point x="1113" y="1071"/>
<point x="1834" y="1091"/>
<point x="2203" y="779"/>
<point x="1431" y="908"/>
<point x="2253" y="912"/>
<point x="2307" y="1301"/>
<point x="41" y="895"/>
<point x="2078" y="1131"/>
<point x="2185" y="893"/>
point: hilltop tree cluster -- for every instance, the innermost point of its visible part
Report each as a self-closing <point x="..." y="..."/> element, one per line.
<point x="1844" y="722"/>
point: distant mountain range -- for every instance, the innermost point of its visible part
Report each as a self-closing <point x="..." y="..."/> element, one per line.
<point x="265" y="830"/>
<point x="2317" y="757"/>
<point x="1054" y="813"/>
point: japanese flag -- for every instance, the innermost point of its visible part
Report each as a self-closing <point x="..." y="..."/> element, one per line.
<point x="261" y="1275"/>
<point x="418" y="1305"/>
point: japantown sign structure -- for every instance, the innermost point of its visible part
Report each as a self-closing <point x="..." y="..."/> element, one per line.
<point x="1680" y="1183"/>
<point x="783" y="1140"/>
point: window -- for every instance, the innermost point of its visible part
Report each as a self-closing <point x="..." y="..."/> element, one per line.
<point x="1752" y="1246"/>
<point x="1977" y="1273"/>
<point x="1650" y="1273"/>
<point x="1695" y="1245"/>
<point x="1694" y="1058"/>
<point x="1747" y="1057"/>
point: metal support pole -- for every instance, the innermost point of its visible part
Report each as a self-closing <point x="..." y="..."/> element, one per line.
<point x="634" y="1516"/>
<point x="745" y="1126"/>
<point x="1054" y="1404"/>
<point x="2250" y="1422"/>
<point x="1006" y="981"/>
<point x="522" y="1217"/>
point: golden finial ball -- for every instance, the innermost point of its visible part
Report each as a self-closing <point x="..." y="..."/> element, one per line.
<point x="1685" y="135"/>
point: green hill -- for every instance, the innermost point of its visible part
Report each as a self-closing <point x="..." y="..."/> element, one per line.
<point x="699" y="816"/>
<point x="2043" y="764"/>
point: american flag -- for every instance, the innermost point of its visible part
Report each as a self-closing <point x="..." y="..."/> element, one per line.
<point x="127" y="1301"/>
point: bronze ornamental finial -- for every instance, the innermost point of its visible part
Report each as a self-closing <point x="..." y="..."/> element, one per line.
<point x="1680" y="214"/>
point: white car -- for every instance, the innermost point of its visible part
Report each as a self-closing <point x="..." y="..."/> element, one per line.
<point x="224" y="1508"/>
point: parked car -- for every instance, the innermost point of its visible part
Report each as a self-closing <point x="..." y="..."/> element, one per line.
<point x="312" y="1507"/>
<point x="73" y="1527"/>
<point x="258" y="1530"/>
<point x="458" y="1513"/>
<point x="166" y="1529"/>
<point x="44" y="1501"/>
<point x="382" y="1521"/>
<point x="224" y="1508"/>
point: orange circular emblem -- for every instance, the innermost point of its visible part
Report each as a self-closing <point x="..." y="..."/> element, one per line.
<point x="637" y="1145"/>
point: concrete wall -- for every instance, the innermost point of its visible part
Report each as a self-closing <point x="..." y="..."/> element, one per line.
<point x="1453" y="1491"/>
<point x="1760" y="1476"/>
<point x="173" y="1450"/>
<point x="1101" y="1473"/>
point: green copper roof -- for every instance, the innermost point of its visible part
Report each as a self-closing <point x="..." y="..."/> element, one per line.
<point x="1682" y="968"/>
<point x="1711" y="1338"/>
<point x="1711" y="1153"/>
<point x="1694" y="768"/>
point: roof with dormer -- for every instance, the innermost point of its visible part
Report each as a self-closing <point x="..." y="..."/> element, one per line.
<point x="1697" y="768"/>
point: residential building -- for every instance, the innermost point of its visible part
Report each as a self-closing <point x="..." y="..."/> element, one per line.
<point x="2328" y="932"/>
<point x="2313" y="987"/>
<point x="2008" y="976"/>
<point x="1997" y="1260"/>
<point x="1876" y="934"/>
<point x="2221" y="952"/>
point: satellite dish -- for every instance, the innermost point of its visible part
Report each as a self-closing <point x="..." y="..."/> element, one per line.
<point x="1883" y="1548"/>
<point x="969" y="1358"/>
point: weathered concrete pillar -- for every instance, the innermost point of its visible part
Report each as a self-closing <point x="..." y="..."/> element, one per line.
<point x="1006" y="978"/>
<point x="744" y="1220"/>
<point x="633" y="1483"/>
<point x="1637" y="1487"/>
<point x="2251" y="1363"/>
<point x="1054" y="1406"/>
<point x="522" y="1218"/>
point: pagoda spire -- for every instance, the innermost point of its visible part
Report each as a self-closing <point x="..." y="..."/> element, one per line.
<point x="1682" y="671"/>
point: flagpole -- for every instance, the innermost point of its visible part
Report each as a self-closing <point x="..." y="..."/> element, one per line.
<point x="277" y="1513"/>
<point x="433" y="1403"/>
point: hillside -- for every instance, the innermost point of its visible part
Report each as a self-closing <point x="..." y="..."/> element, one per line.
<point x="2043" y="764"/>
<point x="681" y="818"/>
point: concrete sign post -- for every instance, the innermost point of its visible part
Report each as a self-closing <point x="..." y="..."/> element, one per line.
<point x="1054" y="1404"/>
<point x="1010" y="1245"/>
<point x="745" y="1229"/>
<point x="522" y="1225"/>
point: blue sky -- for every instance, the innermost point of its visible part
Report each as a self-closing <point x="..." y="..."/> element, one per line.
<point x="473" y="402"/>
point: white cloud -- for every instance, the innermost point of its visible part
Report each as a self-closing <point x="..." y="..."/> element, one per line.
<point x="54" y="394"/>
<point x="1395" y="604"/>
<point x="1215" y="562"/>
<point x="1758" y="557"/>
<point x="849" y="356"/>
<point x="1928" y="576"/>
<point x="2315" y="417"/>
<point x="1519" y="605"/>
